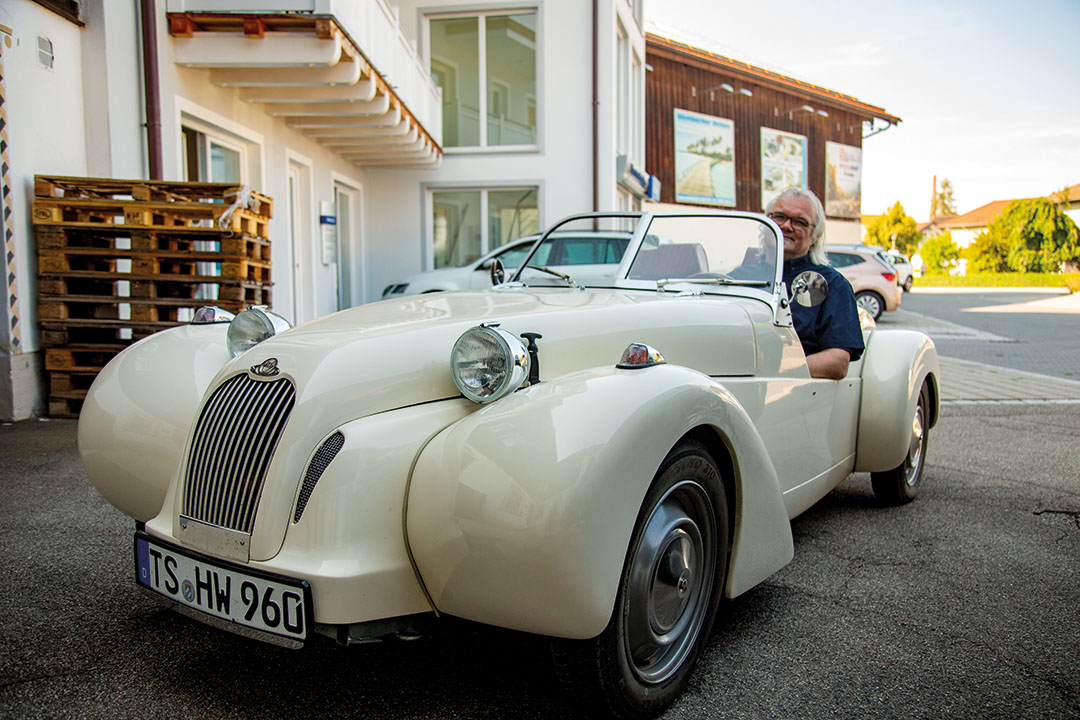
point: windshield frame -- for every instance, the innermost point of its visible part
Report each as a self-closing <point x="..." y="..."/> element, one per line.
<point x="643" y="220"/>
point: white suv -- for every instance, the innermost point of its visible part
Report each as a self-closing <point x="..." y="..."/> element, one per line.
<point x="904" y="274"/>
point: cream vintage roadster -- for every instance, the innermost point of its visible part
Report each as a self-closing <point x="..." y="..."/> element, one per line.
<point x="599" y="459"/>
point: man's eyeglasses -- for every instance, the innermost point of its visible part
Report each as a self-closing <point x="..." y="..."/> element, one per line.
<point x="796" y="222"/>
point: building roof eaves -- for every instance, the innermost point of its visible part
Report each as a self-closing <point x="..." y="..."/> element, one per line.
<point x="979" y="217"/>
<point x="768" y="76"/>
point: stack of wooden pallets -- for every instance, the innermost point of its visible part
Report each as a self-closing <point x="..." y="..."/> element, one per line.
<point x="121" y="259"/>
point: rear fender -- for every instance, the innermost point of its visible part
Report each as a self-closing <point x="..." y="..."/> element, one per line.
<point x="895" y="366"/>
<point x="136" y="416"/>
<point x="520" y="514"/>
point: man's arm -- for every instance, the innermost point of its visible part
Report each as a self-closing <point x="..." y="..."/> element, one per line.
<point x="831" y="363"/>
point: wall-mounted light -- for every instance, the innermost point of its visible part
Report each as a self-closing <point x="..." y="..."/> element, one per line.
<point x="806" y="109"/>
<point x="724" y="87"/>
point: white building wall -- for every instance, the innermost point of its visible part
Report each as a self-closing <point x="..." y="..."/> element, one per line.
<point x="848" y="232"/>
<point x="112" y="91"/>
<point x="45" y="120"/>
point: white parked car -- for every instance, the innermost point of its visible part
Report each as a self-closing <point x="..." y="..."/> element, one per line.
<point x="905" y="277"/>
<point x="585" y="254"/>
<point x="599" y="464"/>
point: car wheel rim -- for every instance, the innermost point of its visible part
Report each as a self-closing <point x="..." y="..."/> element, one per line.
<point x="870" y="304"/>
<point x="915" y="446"/>
<point x="670" y="582"/>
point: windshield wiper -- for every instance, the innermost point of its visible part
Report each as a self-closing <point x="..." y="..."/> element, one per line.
<point x="550" y="271"/>
<point x="661" y="284"/>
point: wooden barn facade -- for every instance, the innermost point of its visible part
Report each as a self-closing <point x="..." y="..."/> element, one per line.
<point x="726" y="134"/>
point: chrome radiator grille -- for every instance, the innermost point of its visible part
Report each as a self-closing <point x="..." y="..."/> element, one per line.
<point x="235" y="438"/>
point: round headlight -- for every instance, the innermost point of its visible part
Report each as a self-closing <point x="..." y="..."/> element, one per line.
<point x="487" y="363"/>
<point x="252" y="326"/>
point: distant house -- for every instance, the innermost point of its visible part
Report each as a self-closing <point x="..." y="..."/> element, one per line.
<point x="1070" y="196"/>
<point x="966" y="227"/>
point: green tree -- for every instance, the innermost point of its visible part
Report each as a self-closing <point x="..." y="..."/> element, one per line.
<point x="987" y="253"/>
<point x="939" y="252"/>
<point x="1035" y="235"/>
<point x="895" y="225"/>
<point x="944" y="204"/>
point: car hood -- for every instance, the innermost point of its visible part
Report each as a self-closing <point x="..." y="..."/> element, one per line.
<point x="396" y="353"/>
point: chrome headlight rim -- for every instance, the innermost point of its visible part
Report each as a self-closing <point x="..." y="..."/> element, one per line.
<point x="251" y="327"/>
<point x="485" y="378"/>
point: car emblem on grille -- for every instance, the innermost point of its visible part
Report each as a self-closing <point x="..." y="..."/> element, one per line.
<point x="267" y="368"/>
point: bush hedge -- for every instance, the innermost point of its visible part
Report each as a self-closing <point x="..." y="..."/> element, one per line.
<point x="1055" y="280"/>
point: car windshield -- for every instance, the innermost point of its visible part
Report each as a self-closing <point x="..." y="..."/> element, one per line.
<point x="705" y="251"/>
<point x="588" y="255"/>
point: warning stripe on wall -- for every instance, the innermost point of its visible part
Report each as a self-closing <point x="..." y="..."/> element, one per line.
<point x="5" y="207"/>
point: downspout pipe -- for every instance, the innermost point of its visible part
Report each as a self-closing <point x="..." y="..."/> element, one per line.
<point x="151" y="87"/>
<point x="595" y="108"/>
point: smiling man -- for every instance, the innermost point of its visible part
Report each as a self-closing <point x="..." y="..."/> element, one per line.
<point x="830" y="333"/>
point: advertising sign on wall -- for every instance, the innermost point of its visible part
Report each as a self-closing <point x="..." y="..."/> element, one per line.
<point x="704" y="159"/>
<point x="843" y="180"/>
<point x="783" y="162"/>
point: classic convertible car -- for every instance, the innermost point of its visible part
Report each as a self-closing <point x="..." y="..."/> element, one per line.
<point x="601" y="465"/>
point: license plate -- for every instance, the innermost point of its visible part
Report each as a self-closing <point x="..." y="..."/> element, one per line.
<point x="270" y="603"/>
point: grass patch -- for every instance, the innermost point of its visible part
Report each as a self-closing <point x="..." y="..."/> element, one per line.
<point x="1054" y="280"/>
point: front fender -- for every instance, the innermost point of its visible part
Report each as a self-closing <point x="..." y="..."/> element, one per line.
<point x="520" y="514"/>
<point x="137" y="413"/>
<point x="895" y="365"/>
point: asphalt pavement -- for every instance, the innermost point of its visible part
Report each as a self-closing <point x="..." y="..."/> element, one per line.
<point x="1008" y="332"/>
<point x="963" y="604"/>
<point x="1033" y="330"/>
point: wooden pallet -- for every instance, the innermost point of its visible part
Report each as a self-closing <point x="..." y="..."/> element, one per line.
<point x="107" y="284"/>
<point x="58" y="186"/>
<point x="181" y="264"/>
<point x="209" y="217"/>
<point x="116" y="337"/>
<point x="120" y="259"/>
<point x="65" y="407"/>
<point x="77" y="359"/>
<point x="179" y="242"/>
<point x="66" y="307"/>
<point x="70" y="384"/>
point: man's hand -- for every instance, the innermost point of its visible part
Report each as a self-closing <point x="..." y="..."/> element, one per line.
<point x="831" y="363"/>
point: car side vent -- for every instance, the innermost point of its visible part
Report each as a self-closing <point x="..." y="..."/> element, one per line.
<point x="234" y="440"/>
<point x="315" y="469"/>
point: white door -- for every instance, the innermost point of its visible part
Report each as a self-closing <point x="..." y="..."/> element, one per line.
<point x="301" y="242"/>
<point x="350" y="286"/>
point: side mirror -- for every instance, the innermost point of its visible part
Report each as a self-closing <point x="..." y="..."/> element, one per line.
<point x="809" y="289"/>
<point x="497" y="271"/>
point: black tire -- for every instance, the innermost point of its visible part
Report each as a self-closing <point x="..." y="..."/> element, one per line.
<point x="908" y="283"/>
<point x="901" y="484"/>
<point x="670" y="588"/>
<point x="871" y="302"/>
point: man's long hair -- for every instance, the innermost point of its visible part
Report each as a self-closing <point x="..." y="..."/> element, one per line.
<point x="817" y="230"/>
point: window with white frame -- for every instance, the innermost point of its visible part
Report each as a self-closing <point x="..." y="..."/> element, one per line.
<point x="212" y="158"/>
<point x="622" y="91"/>
<point x="485" y="64"/>
<point x="211" y="155"/>
<point x="469" y="222"/>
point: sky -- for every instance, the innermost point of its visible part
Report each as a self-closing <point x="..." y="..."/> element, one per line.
<point x="988" y="91"/>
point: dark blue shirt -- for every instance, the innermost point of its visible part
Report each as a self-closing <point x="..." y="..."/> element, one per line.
<point x="832" y="324"/>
